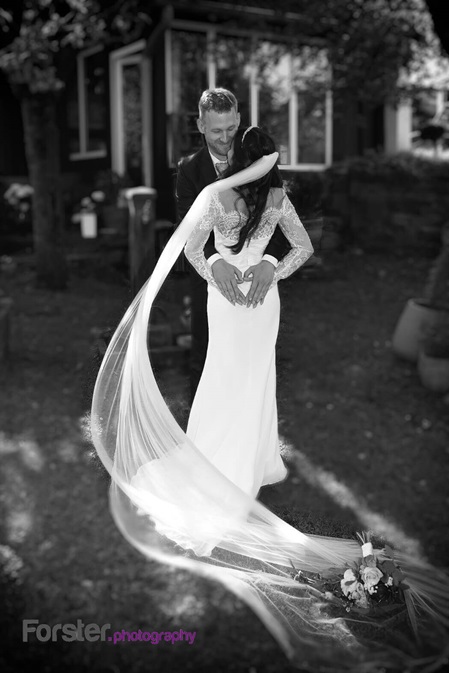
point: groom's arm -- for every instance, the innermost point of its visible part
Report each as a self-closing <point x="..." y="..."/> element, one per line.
<point x="186" y="193"/>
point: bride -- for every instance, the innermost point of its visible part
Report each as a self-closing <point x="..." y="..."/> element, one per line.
<point x="189" y="499"/>
<point x="233" y="420"/>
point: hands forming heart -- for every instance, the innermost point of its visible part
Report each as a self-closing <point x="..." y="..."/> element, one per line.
<point x="228" y="277"/>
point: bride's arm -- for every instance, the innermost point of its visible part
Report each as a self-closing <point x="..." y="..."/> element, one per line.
<point x="194" y="248"/>
<point x="298" y="238"/>
<point x="199" y="221"/>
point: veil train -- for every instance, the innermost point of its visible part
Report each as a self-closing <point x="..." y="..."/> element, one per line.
<point x="175" y="507"/>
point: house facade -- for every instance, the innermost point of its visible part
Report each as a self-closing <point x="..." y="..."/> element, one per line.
<point x="133" y="109"/>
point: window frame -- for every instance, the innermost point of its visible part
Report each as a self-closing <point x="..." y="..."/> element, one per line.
<point x="84" y="154"/>
<point x="211" y="32"/>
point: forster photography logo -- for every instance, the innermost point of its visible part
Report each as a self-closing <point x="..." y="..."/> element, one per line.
<point x="71" y="632"/>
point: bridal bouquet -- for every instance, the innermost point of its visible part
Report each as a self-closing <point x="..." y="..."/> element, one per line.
<point x="371" y="584"/>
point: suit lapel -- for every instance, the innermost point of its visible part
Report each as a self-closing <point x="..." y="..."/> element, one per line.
<point x="207" y="172"/>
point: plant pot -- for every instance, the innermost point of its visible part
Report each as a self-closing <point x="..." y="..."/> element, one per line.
<point x="88" y="225"/>
<point x="415" y="320"/>
<point x="433" y="372"/>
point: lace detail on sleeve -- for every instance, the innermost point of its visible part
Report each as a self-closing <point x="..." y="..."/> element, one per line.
<point x="298" y="238"/>
<point x="194" y="248"/>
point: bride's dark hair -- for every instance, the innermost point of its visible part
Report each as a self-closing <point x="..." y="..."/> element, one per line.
<point x="249" y="145"/>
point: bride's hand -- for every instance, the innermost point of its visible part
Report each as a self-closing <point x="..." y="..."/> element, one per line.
<point x="261" y="276"/>
<point x="227" y="276"/>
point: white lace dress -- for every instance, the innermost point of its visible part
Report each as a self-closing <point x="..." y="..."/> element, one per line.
<point x="233" y="420"/>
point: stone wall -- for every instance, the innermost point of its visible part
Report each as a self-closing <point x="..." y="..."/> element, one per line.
<point x="387" y="204"/>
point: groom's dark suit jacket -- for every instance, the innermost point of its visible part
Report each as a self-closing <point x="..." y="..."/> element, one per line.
<point x="194" y="173"/>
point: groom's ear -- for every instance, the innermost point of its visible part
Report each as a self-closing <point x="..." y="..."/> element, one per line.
<point x="200" y="125"/>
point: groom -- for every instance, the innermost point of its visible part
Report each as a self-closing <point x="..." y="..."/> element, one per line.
<point x="218" y="121"/>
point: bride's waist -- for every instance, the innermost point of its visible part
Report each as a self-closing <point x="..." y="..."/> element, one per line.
<point x="250" y="254"/>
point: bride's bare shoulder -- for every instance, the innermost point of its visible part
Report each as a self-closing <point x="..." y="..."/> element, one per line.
<point x="228" y="197"/>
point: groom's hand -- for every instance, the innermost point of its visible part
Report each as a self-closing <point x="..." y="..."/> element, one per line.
<point x="262" y="276"/>
<point x="227" y="276"/>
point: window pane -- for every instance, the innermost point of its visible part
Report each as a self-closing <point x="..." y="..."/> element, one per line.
<point x="232" y="56"/>
<point x="73" y="124"/>
<point x="188" y="81"/>
<point x="96" y="111"/>
<point x="310" y="74"/>
<point x="274" y="95"/>
<point x="132" y="121"/>
<point x="311" y="127"/>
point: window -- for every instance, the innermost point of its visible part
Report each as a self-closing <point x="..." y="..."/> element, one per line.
<point x="232" y="70"/>
<point x="187" y="55"/>
<point x="282" y="89"/>
<point x="430" y="120"/>
<point x="87" y="108"/>
<point x="274" y="95"/>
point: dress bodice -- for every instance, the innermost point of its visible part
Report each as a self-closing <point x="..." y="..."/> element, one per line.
<point x="227" y="214"/>
<point x="227" y="229"/>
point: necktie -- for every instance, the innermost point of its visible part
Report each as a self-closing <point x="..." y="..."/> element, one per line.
<point x="221" y="166"/>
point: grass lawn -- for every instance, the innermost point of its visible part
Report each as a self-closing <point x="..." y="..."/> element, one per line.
<point x="366" y="445"/>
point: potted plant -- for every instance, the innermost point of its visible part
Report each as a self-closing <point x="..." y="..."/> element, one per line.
<point x="433" y="359"/>
<point x="18" y="196"/>
<point x="87" y="214"/>
<point x="114" y="209"/>
<point x="421" y="314"/>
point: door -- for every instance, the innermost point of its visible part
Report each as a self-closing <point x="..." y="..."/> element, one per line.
<point x="131" y="138"/>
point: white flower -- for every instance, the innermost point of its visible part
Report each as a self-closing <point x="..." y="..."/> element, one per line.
<point x="349" y="582"/>
<point x="370" y="578"/>
<point x="98" y="196"/>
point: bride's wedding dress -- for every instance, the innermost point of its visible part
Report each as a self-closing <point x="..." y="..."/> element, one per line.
<point x="175" y="506"/>
<point x="233" y="420"/>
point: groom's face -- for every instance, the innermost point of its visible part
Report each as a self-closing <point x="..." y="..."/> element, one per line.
<point x="219" y="129"/>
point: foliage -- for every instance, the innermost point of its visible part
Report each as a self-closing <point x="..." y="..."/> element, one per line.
<point x="40" y="35"/>
<point x="18" y="199"/>
<point x="401" y="165"/>
<point x="46" y="29"/>
<point x="372" y="44"/>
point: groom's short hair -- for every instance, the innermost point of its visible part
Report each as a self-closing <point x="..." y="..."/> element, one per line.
<point x="217" y="100"/>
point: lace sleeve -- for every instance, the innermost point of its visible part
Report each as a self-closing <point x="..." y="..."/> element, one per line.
<point x="298" y="238"/>
<point x="194" y="248"/>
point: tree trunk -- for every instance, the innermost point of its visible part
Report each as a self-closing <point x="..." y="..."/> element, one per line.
<point x="42" y="152"/>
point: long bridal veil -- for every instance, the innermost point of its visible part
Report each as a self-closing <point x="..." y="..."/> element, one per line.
<point x="175" y="507"/>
